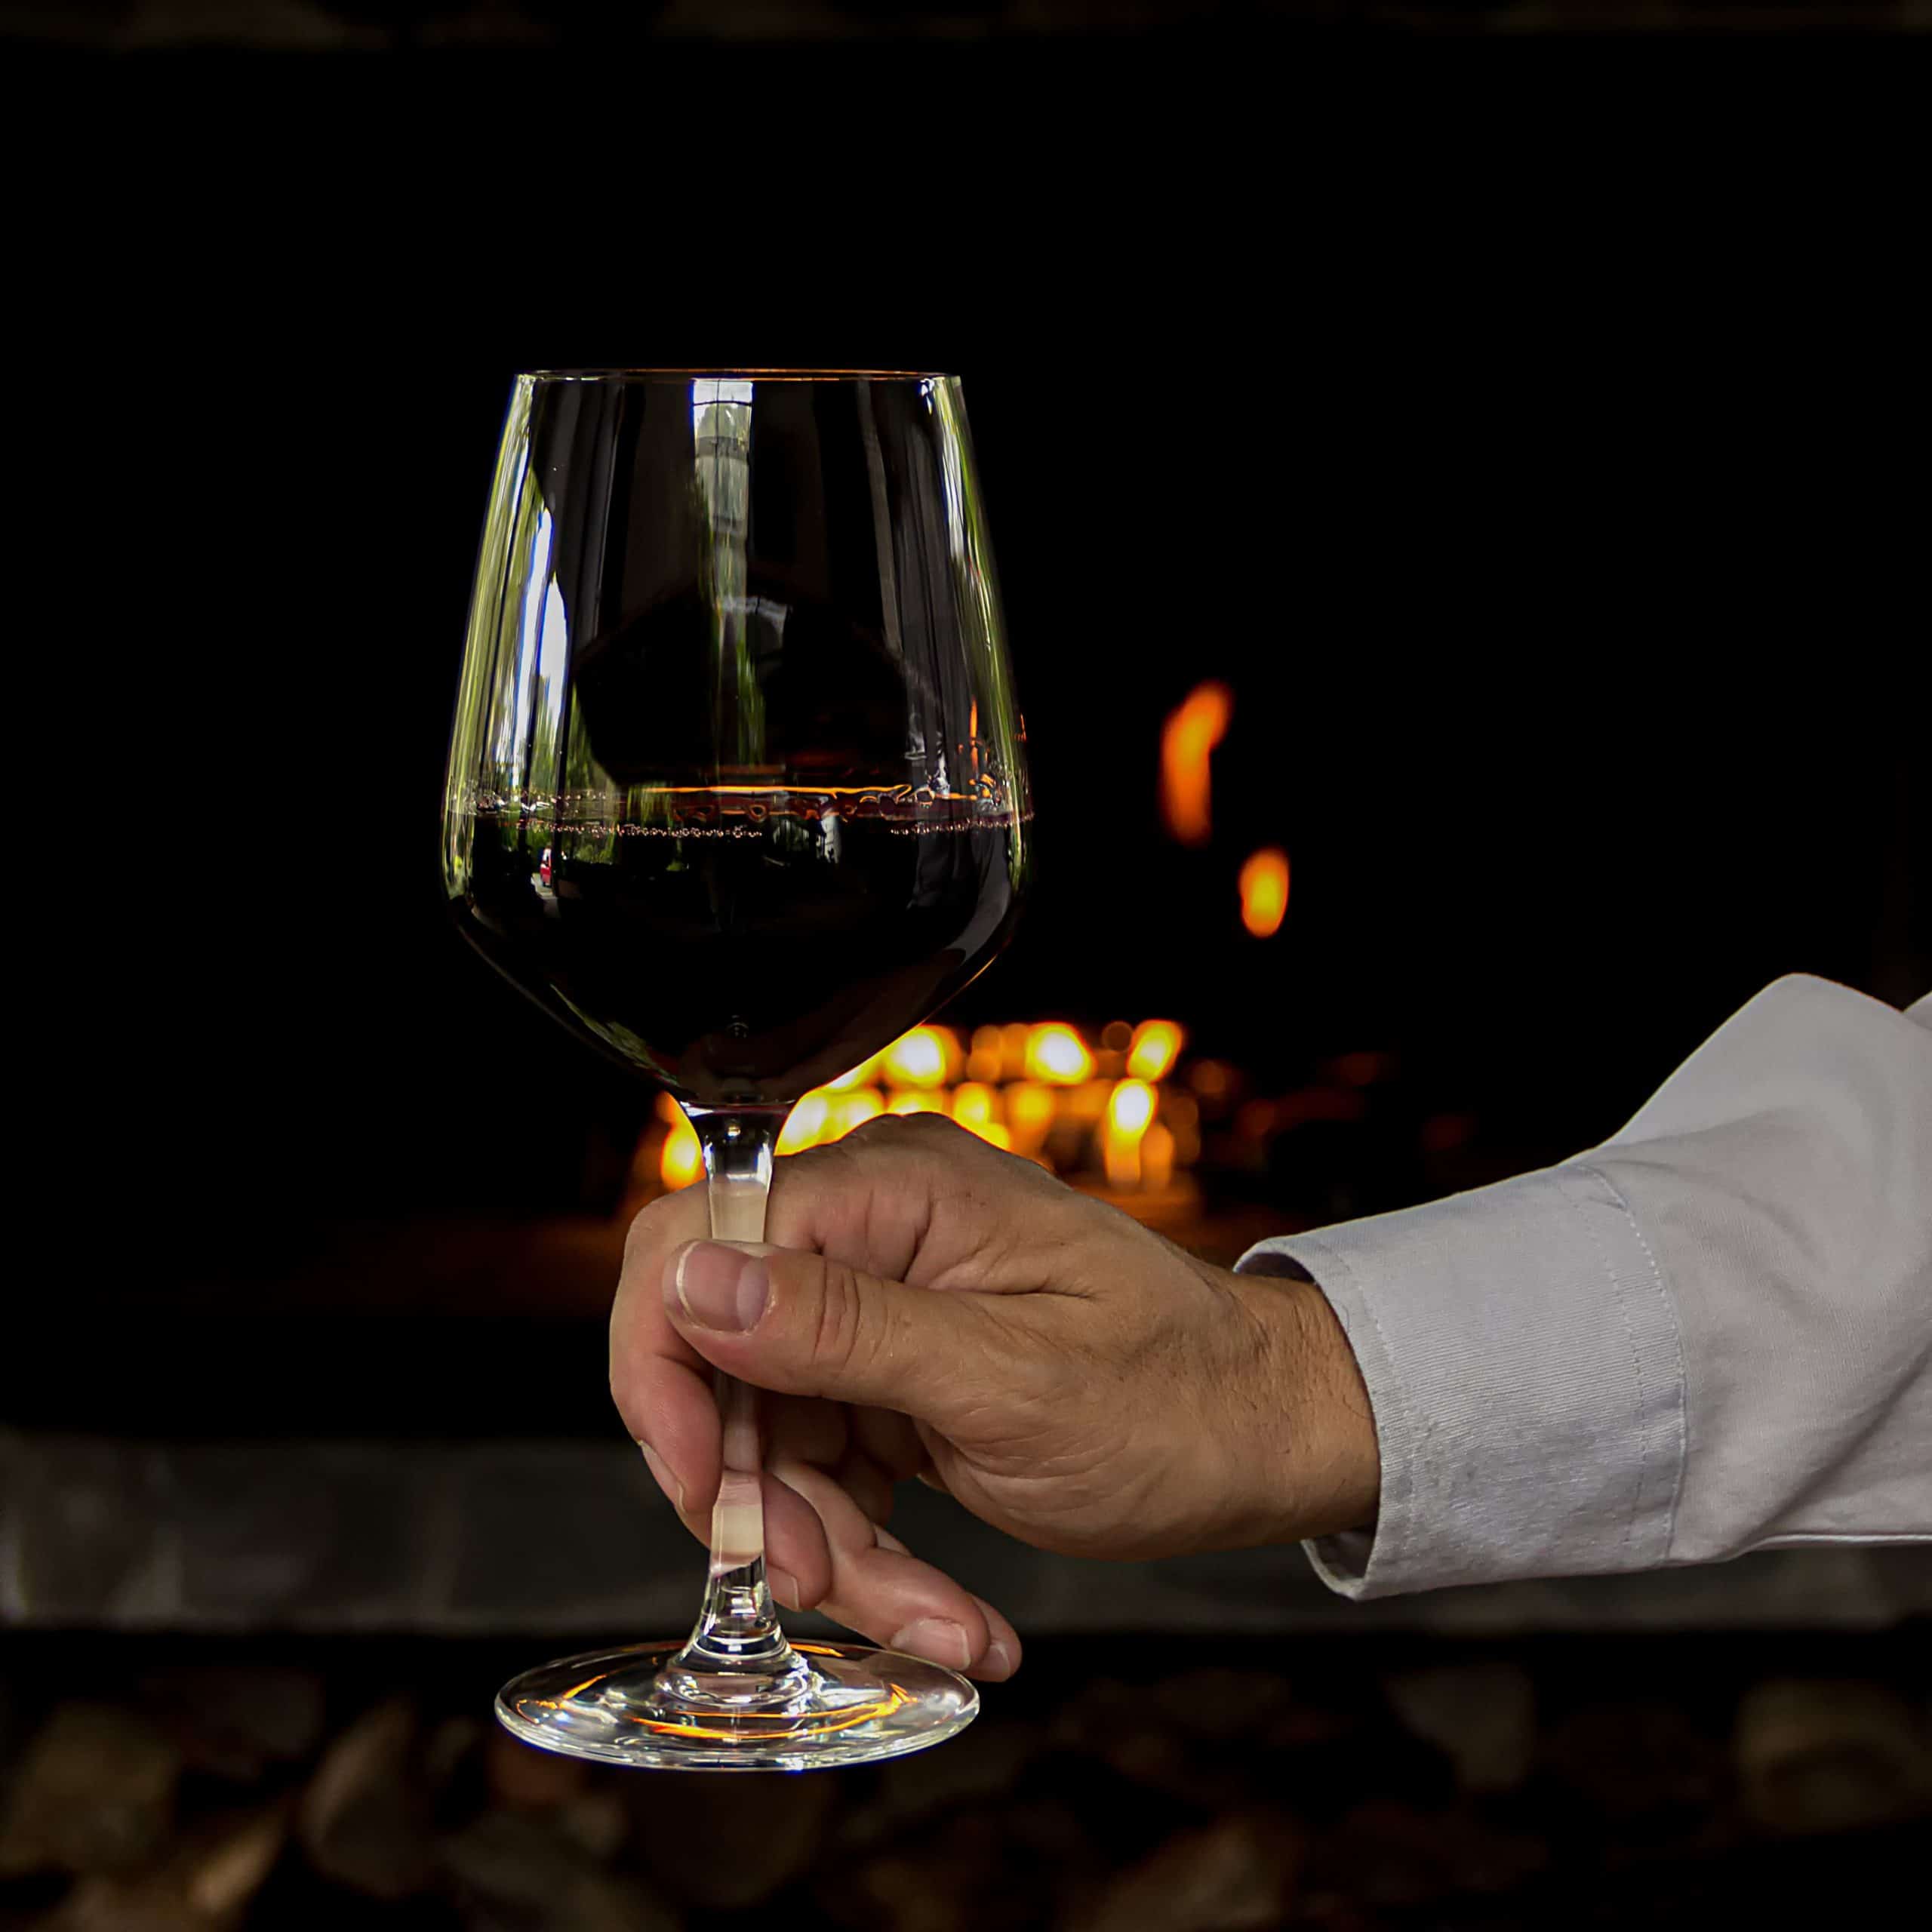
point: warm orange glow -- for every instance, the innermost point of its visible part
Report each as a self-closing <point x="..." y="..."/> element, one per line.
<point x="1157" y="1157"/>
<point x="1130" y="1114"/>
<point x="806" y="1126"/>
<point x="844" y="1111"/>
<point x="1057" y="1053"/>
<point x="682" y="1161"/>
<point x="1191" y="732"/>
<point x="1157" y="1045"/>
<point x="973" y="1104"/>
<point x="1087" y="1103"/>
<point x="1264" y="892"/>
<point x="1132" y="1109"/>
<point x="1013" y="1038"/>
<point x="913" y="1102"/>
<point x="920" y="1058"/>
<point x="1029" y="1113"/>
<point x="985" y="1062"/>
<point x="860" y="1075"/>
<point x="1047" y="1092"/>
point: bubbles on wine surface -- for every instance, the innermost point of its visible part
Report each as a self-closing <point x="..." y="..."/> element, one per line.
<point x="744" y="944"/>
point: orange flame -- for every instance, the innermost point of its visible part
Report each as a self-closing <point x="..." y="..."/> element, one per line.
<point x="921" y="1058"/>
<point x="1192" y="731"/>
<point x="1156" y="1044"/>
<point x="1130" y="1114"/>
<point x="1057" y="1055"/>
<point x="682" y="1160"/>
<point x="1264" y="892"/>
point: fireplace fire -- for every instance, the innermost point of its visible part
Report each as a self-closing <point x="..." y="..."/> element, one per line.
<point x="1109" y="1112"/>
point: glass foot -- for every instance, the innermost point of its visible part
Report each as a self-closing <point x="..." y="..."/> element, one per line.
<point x="851" y="1706"/>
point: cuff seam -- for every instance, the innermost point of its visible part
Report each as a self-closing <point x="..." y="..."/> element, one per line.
<point x="1676" y="1329"/>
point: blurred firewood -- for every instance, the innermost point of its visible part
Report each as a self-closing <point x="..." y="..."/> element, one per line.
<point x="203" y="1884"/>
<point x="1829" y="1757"/>
<point x="95" y="1794"/>
<point x="1482" y="1715"/>
<point x="364" y="1818"/>
<point x="513" y="1873"/>
<point x="1236" y="1873"/>
<point x="236" y="1720"/>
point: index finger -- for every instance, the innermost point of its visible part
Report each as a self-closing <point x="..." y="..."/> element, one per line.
<point x="661" y="1384"/>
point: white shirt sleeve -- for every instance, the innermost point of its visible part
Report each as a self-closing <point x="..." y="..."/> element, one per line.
<point x="1710" y="1334"/>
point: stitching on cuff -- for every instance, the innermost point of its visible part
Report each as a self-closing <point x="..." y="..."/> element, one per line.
<point x="1676" y="1327"/>
<point x="1640" y="1407"/>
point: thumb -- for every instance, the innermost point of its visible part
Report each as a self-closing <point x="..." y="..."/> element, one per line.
<point x="804" y="1325"/>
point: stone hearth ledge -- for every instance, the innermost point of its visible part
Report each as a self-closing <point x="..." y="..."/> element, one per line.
<point x="572" y="1540"/>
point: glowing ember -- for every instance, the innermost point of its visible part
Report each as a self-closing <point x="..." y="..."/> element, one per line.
<point x="1130" y="1114"/>
<point x="973" y="1104"/>
<point x="1156" y="1046"/>
<point x="915" y="1102"/>
<point x="1039" y="1091"/>
<point x="920" y="1058"/>
<point x="682" y="1161"/>
<point x="844" y="1112"/>
<point x="1191" y="732"/>
<point x="1029" y="1114"/>
<point x="1057" y="1055"/>
<point x="1264" y="892"/>
<point x="806" y="1126"/>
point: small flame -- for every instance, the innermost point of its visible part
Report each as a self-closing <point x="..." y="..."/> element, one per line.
<point x="1192" y="731"/>
<point x="1156" y="1046"/>
<point x="682" y="1160"/>
<point x="919" y="1058"/>
<point x="1057" y="1055"/>
<point x="1130" y="1114"/>
<point x="973" y="1104"/>
<point x="1264" y="891"/>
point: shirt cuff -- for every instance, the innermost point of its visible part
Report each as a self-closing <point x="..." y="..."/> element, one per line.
<point x="1521" y="1350"/>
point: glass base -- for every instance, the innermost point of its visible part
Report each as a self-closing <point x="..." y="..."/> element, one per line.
<point x="852" y="1705"/>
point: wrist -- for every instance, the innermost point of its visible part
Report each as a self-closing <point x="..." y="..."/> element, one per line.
<point x="1316" y="1467"/>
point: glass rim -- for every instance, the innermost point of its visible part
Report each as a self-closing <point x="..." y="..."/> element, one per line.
<point x="615" y="375"/>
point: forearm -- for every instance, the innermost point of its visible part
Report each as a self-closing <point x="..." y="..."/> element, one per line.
<point x="1711" y="1332"/>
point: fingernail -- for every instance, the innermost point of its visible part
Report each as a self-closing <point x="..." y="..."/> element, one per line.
<point x="784" y="1587"/>
<point x="997" y="1663"/>
<point x="718" y="1287"/>
<point x="936" y="1638"/>
<point x="666" y="1481"/>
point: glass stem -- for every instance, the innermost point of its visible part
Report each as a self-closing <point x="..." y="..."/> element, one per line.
<point x="738" y="1635"/>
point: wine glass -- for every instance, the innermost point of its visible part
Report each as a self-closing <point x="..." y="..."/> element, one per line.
<point x="736" y="791"/>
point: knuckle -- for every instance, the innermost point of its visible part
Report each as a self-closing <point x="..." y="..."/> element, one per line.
<point x="842" y="1340"/>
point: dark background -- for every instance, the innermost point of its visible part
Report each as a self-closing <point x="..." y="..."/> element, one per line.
<point x="1529" y="425"/>
<point x="1529" y="428"/>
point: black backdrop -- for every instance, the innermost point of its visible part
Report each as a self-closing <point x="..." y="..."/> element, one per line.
<point x="1532" y="435"/>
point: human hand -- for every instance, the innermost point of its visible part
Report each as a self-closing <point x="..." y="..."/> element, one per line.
<point x="932" y="1307"/>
